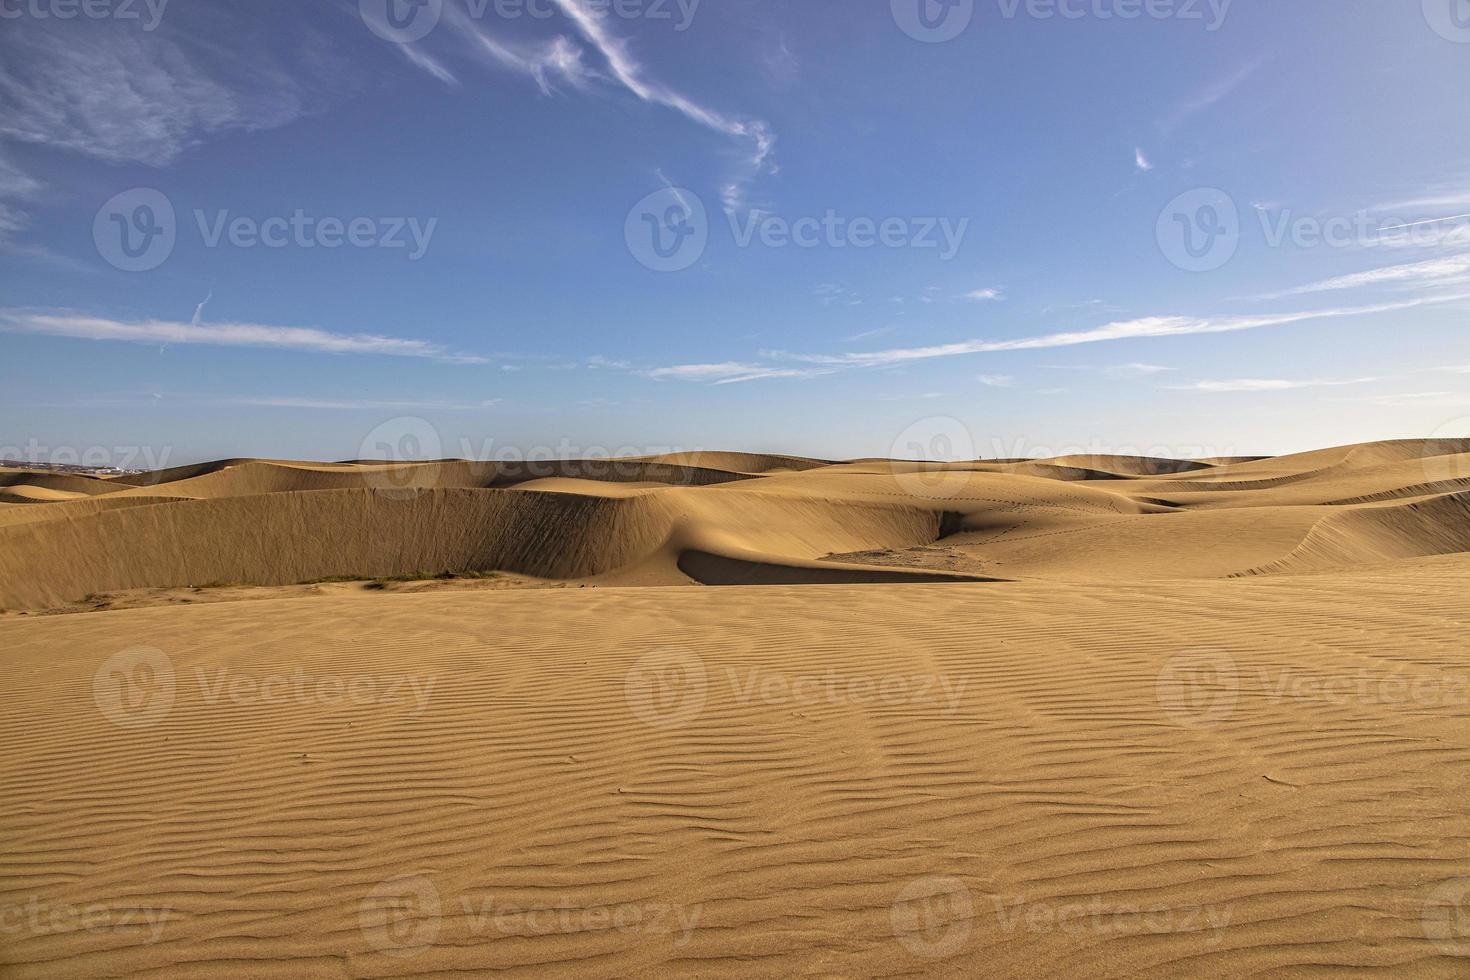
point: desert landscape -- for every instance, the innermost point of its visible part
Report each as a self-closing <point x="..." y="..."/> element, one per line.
<point x="725" y="714"/>
<point x="748" y="489"/>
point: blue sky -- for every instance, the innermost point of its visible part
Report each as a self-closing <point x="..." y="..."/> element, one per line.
<point x="834" y="228"/>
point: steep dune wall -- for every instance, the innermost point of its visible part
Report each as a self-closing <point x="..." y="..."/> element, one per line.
<point x="288" y="537"/>
<point x="1380" y="533"/>
<point x="294" y="537"/>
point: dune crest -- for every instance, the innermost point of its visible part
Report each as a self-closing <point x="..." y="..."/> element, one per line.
<point x="728" y="518"/>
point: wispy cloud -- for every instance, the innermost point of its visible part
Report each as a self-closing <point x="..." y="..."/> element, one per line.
<point x="1215" y="92"/>
<point x="420" y="59"/>
<point x="728" y="372"/>
<point x="199" y="310"/>
<point x="832" y="292"/>
<point x="868" y="334"/>
<point x="1134" y="370"/>
<point x="1119" y="371"/>
<point x="13" y="183"/>
<point x="1431" y="273"/>
<point x="163" y="94"/>
<point x="997" y="380"/>
<point x="558" y="58"/>
<point x="780" y="364"/>
<point x="1433" y="202"/>
<point x="1450" y="192"/>
<point x="561" y="59"/>
<point x="1447" y="231"/>
<point x="1155" y="326"/>
<point x="1420" y="399"/>
<point x="15" y="188"/>
<point x="1266" y="384"/>
<point x="983" y="295"/>
<point x="331" y="404"/>
<point x="633" y="77"/>
<point x="1141" y="161"/>
<point x="67" y="324"/>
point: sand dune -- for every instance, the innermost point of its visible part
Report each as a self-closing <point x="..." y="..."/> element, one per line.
<point x="1092" y="716"/>
<point x="712" y="518"/>
<point x="61" y="482"/>
<point x="709" y="782"/>
<point x="26" y="493"/>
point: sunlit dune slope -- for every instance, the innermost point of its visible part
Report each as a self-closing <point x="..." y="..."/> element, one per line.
<point x="731" y="518"/>
<point x="1216" y="778"/>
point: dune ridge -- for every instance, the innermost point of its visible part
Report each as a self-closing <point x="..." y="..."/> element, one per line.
<point x="726" y="518"/>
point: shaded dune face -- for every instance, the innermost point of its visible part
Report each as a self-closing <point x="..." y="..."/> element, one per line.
<point x="723" y="518"/>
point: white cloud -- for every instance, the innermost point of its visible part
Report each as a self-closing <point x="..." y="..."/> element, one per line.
<point x="1155" y="326"/>
<point x="869" y="334"/>
<point x="1135" y="370"/>
<point x="1449" y="192"/>
<point x="728" y="372"/>
<point x="776" y="363"/>
<point x="125" y="96"/>
<point x="1119" y="371"/>
<point x="631" y="74"/>
<point x="1421" y="399"/>
<point x="66" y="324"/>
<point x="13" y="183"/>
<point x="557" y="58"/>
<point x="161" y="96"/>
<point x="828" y="293"/>
<point x="1208" y="96"/>
<point x="330" y="404"/>
<point x="428" y="63"/>
<point x="199" y="310"/>
<point x="759" y="139"/>
<point x="1431" y="273"/>
<point x="983" y="295"/>
<point x="1450" y="231"/>
<point x="997" y="380"/>
<point x="1265" y="384"/>
<point x="562" y="59"/>
<point x="1140" y="160"/>
<point x="1449" y="199"/>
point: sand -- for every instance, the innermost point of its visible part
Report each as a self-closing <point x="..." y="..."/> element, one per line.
<point x="1082" y="717"/>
